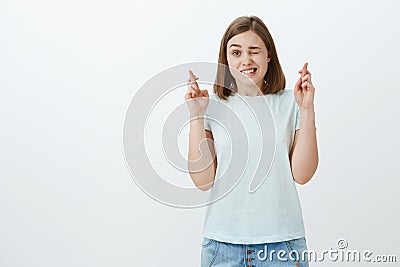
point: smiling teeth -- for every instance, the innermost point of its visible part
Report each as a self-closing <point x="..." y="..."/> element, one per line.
<point x="248" y="71"/>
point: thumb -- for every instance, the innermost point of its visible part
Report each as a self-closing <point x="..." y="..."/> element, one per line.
<point x="204" y="92"/>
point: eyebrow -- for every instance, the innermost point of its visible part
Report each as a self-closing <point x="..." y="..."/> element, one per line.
<point x="250" y="47"/>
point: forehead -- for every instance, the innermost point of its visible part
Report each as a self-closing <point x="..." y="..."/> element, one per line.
<point x="246" y="39"/>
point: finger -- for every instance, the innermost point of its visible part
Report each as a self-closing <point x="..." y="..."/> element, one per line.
<point x="193" y="77"/>
<point x="189" y="82"/>
<point x="192" y="89"/>
<point x="194" y="92"/>
<point x="189" y="90"/>
<point x="307" y="72"/>
<point x="195" y="88"/>
<point x="298" y="85"/>
<point x="188" y="95"/>
<point x="307" y="77"/>
<point x="304" y="85"/>
<point x="204" y="93"/>
<point x="304" y="69"/>
<point x="307" y="85"/>
<point x="193" y="85"/>
<point x="305" y="66"/>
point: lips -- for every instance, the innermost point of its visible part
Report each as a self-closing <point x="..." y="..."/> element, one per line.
<point x="249" y="71"/>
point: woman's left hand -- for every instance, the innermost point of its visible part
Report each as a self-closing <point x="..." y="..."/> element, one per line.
<point x="304" y="90"/>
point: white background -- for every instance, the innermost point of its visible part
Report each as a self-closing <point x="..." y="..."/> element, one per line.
<point x="69" y="69"/>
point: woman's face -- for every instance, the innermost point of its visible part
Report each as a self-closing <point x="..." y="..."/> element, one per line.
<point x="247" y="53"/>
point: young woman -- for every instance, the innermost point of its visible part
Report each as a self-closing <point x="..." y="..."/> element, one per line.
<point x="264" y="228"/>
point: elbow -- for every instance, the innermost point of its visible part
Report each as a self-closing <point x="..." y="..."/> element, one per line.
<point x="205" y="187"/>
<point x="201" y="182"/>
<point x="303" y="167"/>
<point x="204" y="179"/>
<point x="305" y="176"/>
<point x="302" y="181"/>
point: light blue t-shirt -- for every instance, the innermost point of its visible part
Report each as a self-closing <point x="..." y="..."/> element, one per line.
<point x="273" y="212"/>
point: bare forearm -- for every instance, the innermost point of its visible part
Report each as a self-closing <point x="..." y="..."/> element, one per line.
<point x="200" y="155"/>
<point x="305" y="156"/>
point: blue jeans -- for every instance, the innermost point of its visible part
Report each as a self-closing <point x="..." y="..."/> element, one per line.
<point x="278" y="254"/>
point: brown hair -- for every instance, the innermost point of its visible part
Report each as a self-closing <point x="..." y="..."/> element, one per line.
<point x="275" y="79"/>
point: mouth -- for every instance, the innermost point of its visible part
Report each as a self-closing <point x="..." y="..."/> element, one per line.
<point x="249" y="72"/>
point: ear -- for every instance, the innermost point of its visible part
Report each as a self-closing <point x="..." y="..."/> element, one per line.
<point x="268" y="59"/>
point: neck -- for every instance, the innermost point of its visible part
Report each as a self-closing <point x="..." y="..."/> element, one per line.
<point x="253" y="90"/>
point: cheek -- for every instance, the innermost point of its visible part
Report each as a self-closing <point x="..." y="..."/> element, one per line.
<point x="263" y="70"/>
<point x="263" y="63"/>
<point x="231" y="61"/>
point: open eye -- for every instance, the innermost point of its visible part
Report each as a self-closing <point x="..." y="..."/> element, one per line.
<point x="236" y="53"/>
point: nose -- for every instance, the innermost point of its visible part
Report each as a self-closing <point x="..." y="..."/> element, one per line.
<point x="246" y="59"/>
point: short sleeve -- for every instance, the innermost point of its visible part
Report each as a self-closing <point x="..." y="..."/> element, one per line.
<point x="207" y="120"/>
<point x="207" y="125"/>
<point x="298" y="116"/>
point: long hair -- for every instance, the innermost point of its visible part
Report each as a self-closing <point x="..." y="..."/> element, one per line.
<point x="274" y="78"/>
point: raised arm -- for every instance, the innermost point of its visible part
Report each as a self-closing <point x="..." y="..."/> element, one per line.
<point x="202" y="162"/>
<point x="304" y="153"/>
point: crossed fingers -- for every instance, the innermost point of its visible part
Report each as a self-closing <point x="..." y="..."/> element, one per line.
<point x="193" y="87"/>
<point x="305" y="76"/>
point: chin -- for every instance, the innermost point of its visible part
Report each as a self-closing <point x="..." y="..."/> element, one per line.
<point x="249" y="81"/>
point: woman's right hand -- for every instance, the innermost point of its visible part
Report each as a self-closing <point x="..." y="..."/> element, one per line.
<point x="196" y="99"/>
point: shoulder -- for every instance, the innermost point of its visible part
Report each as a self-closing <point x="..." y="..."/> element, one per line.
<point x="285" y="97"/>
<point x="287" y="93"/>
<point x="216" y="100"/>
<point x="213" y="96"/>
